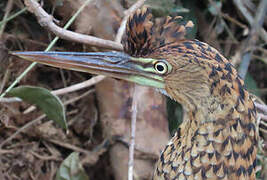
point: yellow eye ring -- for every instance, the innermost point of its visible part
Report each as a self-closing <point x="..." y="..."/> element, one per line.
<point x="161" y="67"/>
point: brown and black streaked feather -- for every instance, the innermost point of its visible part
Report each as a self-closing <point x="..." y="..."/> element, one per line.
<point x="143" y="35"/>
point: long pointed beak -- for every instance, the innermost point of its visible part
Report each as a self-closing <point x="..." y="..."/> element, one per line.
<point x="114" y="64"/>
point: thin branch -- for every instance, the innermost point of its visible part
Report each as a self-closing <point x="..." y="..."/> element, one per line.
<point x="7" y="11"/>
<point x="69" y="146"/>
<point x="132" y="138"/>
<point x="118" y="38"/>
<point x="240" y="5"/>
<point x="13" y="16"/>
<point x="129" y="11"/>
<point x="261" y="107"/>
<point x="26" y="126"/>
<point x="223" y="22"/>
<point x="57" y="92"/>
<point x="252" y="39"/>
<point x="229" y="18"/>
<point x="47" y="49"/>
<point x="72" y="88"/>
<point x="10" y="100"/>
<point x="29" y="124"/>
<point x="79" y="86"/>
<point x="46" y="21"/>
<point x="5" y="79"/>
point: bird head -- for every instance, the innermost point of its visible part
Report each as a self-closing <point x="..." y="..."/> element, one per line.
<point x="156" y="54"/>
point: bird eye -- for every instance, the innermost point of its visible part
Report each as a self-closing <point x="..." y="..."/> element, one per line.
<point x="161" y="67"/>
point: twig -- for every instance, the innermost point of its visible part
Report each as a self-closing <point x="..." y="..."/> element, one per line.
<point x="223" y="22"/>
<point x="10" y="100"/>
<point x="8" y="9"/>
<point x="92" y="155"/>
<point x="129" y="11"/>
<point x="72" y="88"/>
<point x="255" y="29"/>
<point x="62" y="91"/>
<point x="79" y="97"/>
<point x="243" y="68"/>
<point x="5" y="78"/>
<point x="239" y="4"/>
<point x="229" y="18"/>
<point x="118" y="38"/>
<point x="46" y="21"/>
<point x="8" y="36"/>
<point x="47" y="49"/>
<point x="26" y="126"/>
<point x="69" y="146"/>
<point x="98" y="151"/>
<point x="13" y="16"/>
<point x="261" y="107"/>
<point x="79" y="86"/>
<point x="132" y="138"/>
<point x="7" y="151"/>
<point x="264" y="117"/>
<point x="45" y="158"/>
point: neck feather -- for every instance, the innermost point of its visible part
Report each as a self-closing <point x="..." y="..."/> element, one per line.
<point x="217" y="138"/>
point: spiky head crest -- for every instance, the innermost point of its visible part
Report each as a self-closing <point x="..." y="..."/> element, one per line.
<point x="144" y="35"/>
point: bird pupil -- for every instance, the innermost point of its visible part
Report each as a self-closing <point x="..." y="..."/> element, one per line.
<point x="160" y="67"/>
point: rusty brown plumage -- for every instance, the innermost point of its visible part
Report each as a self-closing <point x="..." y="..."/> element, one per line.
<point x="217" y="139"/>
<point x="143" y="36"/>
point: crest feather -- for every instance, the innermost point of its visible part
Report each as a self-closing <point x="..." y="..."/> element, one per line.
<point x="143" y="35"/>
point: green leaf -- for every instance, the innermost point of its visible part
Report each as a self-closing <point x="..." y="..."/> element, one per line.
<point x="159" y="7"/>
<point x="213" y="7"/>
<point x="175" y="115"/>
<point x="191" y="15"/>
<point x="45" y="100"/>
<point x="71" y="169"/>
<point x="251" y="85"/>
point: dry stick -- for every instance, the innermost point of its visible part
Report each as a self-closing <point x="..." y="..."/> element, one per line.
<point x="255" y="29"/>
<point x="46" y="21"/>
<point x="79" y="86"/>
<point x="132" y="137"/>
<point x="239" y="4"/>
<point x="8" y="9"/>
<point x="4" y="81"/>
<point x="69" y="146"/>
<point x="13" y="16"/>
<point x="72" y="88"/>
<point x="26" y="126"/>
<point x="92" y="154"/>
<point x="261" y="107"/>
<point x="62" y="91"/>
<point x="10" y="100"/>
<point x="229" y="18"/>
<point x="130" y="11"/>
<point x="223" y="22"/>
<point x="118" y="38"/>
<point x="31" y="5"/>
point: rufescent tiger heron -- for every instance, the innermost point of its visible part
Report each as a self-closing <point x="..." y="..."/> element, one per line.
<point x="217" y="139"/>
